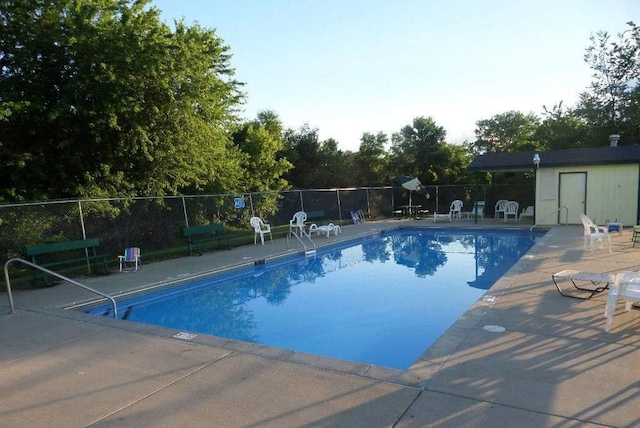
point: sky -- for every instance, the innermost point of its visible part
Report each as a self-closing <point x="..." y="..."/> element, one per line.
<point x="346" y="67"/>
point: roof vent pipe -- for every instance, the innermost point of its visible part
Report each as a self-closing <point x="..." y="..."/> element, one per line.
<point x="613" y="140"/>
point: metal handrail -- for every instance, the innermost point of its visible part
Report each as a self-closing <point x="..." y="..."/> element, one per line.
<point x="291" y="232"/>
<point x="305" y="233"/>
<point x="299" y="238"/>
<point x="566" y="218"/>
<point x="33" y="265"/>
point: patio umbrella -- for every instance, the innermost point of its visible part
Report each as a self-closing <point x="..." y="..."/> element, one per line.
<point x="413" y="185"/>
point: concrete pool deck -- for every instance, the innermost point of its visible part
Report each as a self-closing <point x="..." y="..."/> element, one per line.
<point x="552" y="366"/>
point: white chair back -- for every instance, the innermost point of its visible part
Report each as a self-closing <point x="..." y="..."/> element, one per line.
<point x="455" y="210"/>
<point x="593" y="232"/>
<point x="299" y="218"/>
<point x="511" y="208"/>
<point x="259" y="229"/>
<point x="500" y="207"/>
<point x="296" y="224"/>
<point x="257" y="223"/>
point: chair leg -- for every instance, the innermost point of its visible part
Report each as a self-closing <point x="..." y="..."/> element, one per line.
<point x="609" y="310"/>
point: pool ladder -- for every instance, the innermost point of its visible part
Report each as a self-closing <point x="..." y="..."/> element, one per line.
<point x="64" y="278"/>
<point x="555" y="212"/>
<point x="304" y="233"/>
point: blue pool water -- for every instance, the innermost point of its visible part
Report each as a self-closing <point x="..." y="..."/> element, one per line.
<point x="380" y="300"/>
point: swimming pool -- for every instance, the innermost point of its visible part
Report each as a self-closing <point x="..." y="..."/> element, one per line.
<point x="380" y="300"/>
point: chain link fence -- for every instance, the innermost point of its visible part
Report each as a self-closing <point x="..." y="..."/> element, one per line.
<point x="155" y="224"/>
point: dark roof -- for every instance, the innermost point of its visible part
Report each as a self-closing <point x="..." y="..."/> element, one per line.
<point x="554" y="158"/>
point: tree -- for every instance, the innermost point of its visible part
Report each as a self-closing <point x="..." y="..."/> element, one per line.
<point x="616" y="66"/>
<point x="630" y="126"/>
<point x="303" y="151"/>
<point x="317" y="165"/>
<point x="104" y="100"/>
<point x="508" y="132"/>
<point x="262" y="144"/>
<point x="455" y="170"/>
<point x="561" y="129"/>
<point x="335" y="170"/>
<point x="419" y="150"/>
<point x="372" y="161"/>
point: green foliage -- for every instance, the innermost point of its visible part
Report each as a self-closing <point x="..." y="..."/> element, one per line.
<point x="611" y="104"/>
<point x="262" y="144"/>
<point x="630" y="123"/>
<point x="372" y="161"/>
<point x="616" y="68"/>
<point x="561" y="129"/>
<point x="508" y="132"/>
<point x="317" y="164"/>
<point x="455" y="170"/>
<point x="263" y="166"/>
<point x="419" y="150"/>
<point x="335" y="167"/>
<point x="303" y="151"/>
<point x="101" y="98"/>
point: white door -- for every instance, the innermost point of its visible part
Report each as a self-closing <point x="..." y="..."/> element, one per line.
<point x="573" y="195"/>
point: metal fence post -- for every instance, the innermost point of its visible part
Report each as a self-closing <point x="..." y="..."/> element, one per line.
<point x="339" y="206"/>
<point x="84" y="235"/>
<point x="368" y="204"/>
<point x="184" y="209"/>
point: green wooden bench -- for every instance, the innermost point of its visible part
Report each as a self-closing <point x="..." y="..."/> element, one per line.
<point x="71" y="252"/>
<point x="203" y="233"/>
<point x="318" y="216"/>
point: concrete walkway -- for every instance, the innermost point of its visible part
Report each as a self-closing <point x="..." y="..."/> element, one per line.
<point x="553" y="366"/>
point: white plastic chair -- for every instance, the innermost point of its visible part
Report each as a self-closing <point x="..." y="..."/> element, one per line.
<point x="131" y="255"/>
<point x="626" y="286"/>
<point x="499" y="207"/>
<point x="511" y="208"/>
<point x="593" y="232"/>
<point x="296" y="224"/>
<point x="527" y="212"/>
<point x="260" y="228"/>
<point x="455" y="210"/>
